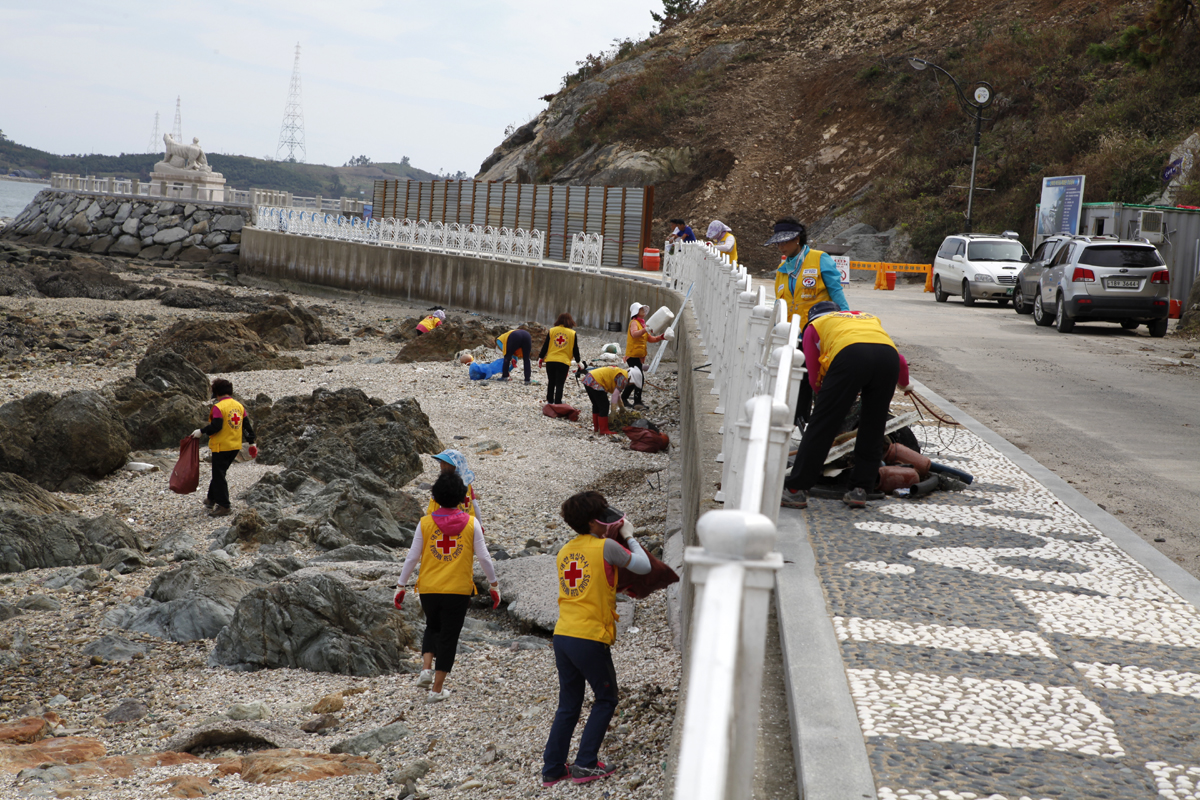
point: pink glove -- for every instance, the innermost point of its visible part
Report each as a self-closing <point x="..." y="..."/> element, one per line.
<point x="253" y="451"/>
<point x="495" y="598"/>
<point x="399" y="598"/>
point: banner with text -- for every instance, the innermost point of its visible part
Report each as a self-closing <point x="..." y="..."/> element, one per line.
<point x="1061" y="205"/>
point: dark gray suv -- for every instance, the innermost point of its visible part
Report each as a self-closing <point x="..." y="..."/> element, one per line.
<point x="1102" y="279"/>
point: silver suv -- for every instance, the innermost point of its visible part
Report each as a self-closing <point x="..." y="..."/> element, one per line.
<point x="1103" y="279"/>
<point x="978" y="266"/>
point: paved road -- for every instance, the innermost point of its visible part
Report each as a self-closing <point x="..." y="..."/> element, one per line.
<point x="1101" y="407"/>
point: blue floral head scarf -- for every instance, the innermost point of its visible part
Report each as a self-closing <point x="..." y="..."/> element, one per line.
<point x="459" y="461"/>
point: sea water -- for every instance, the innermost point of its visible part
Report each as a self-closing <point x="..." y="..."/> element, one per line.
<point x="15" y="195"/>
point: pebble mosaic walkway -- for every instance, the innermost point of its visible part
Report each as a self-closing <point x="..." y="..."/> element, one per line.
<point x="998" y="646"/>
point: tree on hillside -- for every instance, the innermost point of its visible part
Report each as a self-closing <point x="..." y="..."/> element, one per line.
<point x="1169" y="24"/>
<point x="358" y="161"/>
<point x="674" y="12"/>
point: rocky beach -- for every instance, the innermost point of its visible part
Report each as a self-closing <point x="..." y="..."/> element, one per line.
<point x="168" y="653"/>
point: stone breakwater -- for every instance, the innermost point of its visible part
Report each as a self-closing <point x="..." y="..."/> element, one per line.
<point x="149" y="228"/>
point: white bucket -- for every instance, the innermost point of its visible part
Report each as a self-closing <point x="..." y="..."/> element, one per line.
<point x="660" y="320"/>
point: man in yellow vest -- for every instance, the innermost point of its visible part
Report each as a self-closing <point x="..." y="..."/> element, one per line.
<point x="445" y="544"/>
<point x="227" y="426"/>
<point x="587" y="599"/>
<point x="847" y="353"/>
<point x="805" y="277"/>
<point x="515" y="344"/>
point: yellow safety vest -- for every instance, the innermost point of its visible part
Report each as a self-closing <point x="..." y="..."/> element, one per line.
<point x="810" y="285"/>
<point x="502" y="340"/>
<point x="844" y="328"/>
<point x="428" y="324"/>
<point x="465" y="505"/>
<point x="635" y="339"/>
<point x="607" y="377"/>
<point x="230" y="435"/>
<point x="562" y="345"/>
<point x="587" y="598"/>
<point x="447" y="560"/>
<point x="733" y="252"/>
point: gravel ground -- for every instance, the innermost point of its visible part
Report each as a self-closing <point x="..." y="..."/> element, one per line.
<point x="486" y="740"/>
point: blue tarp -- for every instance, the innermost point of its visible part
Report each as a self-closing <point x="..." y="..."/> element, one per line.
<point x="481" y="372"/>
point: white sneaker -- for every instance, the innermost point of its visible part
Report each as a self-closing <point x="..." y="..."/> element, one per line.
<point x="437" y="697"/>
<point x="425" y="678"/>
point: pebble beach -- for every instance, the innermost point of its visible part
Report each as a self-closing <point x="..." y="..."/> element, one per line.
<point x="487" y="739"/>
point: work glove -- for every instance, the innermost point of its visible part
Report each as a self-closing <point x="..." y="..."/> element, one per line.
<point x="495" y="593"/>
<point x="540" y="361"/>
<point x="253" y="451"/>
<point x="907" y="388"/>
<point x="626" y="530"/>
<point x="399" y="598"/>
<point x="196" y="433"/>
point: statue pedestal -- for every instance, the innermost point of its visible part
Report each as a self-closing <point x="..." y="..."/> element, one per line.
<point x="187" y="184"/>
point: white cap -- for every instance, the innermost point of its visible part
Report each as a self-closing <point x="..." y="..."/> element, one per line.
<point x="636" y="377"/>
<point x="440" y="314"/>
<point x="634" y="307"/>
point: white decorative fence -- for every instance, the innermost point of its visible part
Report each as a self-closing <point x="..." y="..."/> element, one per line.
<point x="182" y="190"/>
<point x="756" y="367"/>
<point x="500" y="244"/>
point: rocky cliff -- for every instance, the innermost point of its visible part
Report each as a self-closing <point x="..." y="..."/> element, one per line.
<point x="748" y="111"/>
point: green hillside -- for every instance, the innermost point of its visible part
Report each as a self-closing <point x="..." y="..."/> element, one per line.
<point x="241" y="172"/>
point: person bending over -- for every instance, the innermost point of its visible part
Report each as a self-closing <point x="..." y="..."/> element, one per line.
<point x="515" y="344"/>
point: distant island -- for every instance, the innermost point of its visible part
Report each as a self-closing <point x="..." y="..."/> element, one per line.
<point x="357" y="178"/>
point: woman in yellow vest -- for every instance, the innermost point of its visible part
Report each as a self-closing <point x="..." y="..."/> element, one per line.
<point x="587" y="613"/>
<point x="227" y="426"/>
<point x="721" y="236"/>
<point x="558" y="351"/>
<point x="635" y="349"/>
<point x="432" y="321"/>
<point x="515" y="344"/>
<point x="445" y="544"/>
<point x="847" y="353"/>
<point x="456" y="463"/>
<point x="604" y="386"/>
<point x="804" y="278"/>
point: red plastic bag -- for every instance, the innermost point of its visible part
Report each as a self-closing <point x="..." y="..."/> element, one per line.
<point x="561" y="410"/>
<point x="185" y="477"/>
<point x="646" y="440"/>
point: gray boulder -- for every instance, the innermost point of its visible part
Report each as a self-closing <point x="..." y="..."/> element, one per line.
<point x="54" y="440"/>
<point x="170" y="236"/>
<point x="228" y="222"/>
<point x="236" y="732"/>
<point x="355" y="552"/>
<point x="126" y="246"/>
<point x="18" y="493"/>
<point x="530" y="585"/>
<point x="112" y="647"/>
<point x="360" y="516"/>
<point x="167" y="371"/>
<point x="369" y="742"/>
<point x="317" y="622"/>
<point x="38" y="541"/>
<point x="192" y="602"/>
<point x="154" y="419"/>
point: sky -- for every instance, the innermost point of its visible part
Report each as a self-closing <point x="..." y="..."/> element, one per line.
<point x="435" y="81"/>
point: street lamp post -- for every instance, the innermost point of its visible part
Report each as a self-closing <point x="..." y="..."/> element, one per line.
<point x="982" y="96"/>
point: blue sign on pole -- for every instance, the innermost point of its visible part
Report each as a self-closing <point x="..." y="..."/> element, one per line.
<point x="1061" y="206"/>
<point x="1173" y="169"/>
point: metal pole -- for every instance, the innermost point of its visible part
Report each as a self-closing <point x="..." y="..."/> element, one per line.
<point x="974" y="158"/>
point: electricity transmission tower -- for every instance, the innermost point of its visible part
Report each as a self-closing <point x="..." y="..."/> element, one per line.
<point x="291" y="134"/>
<point x="177" y="128"/>
<point x="155" y="140"/>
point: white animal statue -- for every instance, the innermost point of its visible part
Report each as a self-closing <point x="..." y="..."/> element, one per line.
<point x="185" y="156"/>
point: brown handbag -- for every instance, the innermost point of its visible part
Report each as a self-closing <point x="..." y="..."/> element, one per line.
<point x="899" y="454"/>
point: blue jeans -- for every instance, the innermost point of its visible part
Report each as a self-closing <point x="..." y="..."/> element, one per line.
<point x="580" y="661"/>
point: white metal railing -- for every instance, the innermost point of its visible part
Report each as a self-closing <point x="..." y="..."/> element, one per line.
<point x="586" y="251"/>
<point x="756" y="367"/>
<point x="184" y="190"/>
<point x="502" y="244"/>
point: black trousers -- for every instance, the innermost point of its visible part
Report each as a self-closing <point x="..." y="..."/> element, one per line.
<point x="556" y="378"/>
<point x="599" y="401"/>
<point x="631" y="389"/>
<point x="518" y="340"/>
<point x="218" y="487"/>
<point x="444" y="615"/>
<point x="871" y="369"/>
<point x="580" y="662"/>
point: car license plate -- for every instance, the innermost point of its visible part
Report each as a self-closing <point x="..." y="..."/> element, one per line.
<point x="1008" y="292"/>
<point x="1123" y="283"/>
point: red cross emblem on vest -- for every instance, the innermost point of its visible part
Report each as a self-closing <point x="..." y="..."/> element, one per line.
<point x="235" y="419"/>
<point x="446" y="544"/>
<point x="573" y="573"/>
<point x="560" y="340"/>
